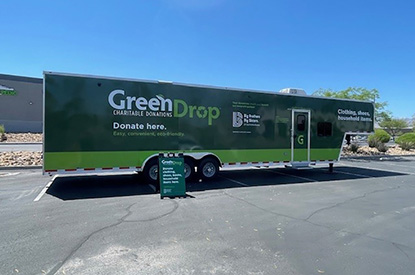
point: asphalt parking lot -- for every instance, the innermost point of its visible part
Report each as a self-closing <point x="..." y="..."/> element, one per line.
<point x="358" y="220"/>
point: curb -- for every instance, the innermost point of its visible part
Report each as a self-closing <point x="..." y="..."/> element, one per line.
<point x="3" y="168"/>
<point x="20" y="143"/>
<point x="375" y="157"/>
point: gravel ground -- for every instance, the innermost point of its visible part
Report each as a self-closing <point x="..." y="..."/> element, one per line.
<point x="21" y="158"/>
<point x="367" y="151"/>
<point x="23" y="137"/>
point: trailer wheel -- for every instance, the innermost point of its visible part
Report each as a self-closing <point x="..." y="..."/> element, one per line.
<point x="208" y="168"/>
<point x="151" y="172"/>
<point x="189" y="169"/>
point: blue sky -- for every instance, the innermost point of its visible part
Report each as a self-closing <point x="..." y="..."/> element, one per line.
<point x="262" y="45"/>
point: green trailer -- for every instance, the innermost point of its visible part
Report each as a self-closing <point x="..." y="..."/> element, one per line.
<point x="102" y="124"/>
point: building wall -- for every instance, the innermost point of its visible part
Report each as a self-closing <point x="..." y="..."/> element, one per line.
<point x="21" y="103"/>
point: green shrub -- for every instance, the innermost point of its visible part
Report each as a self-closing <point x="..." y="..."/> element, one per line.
<point x="372" y="141"/>
<point x="354" y="147"/>
<point x="382" y="147"/>
<point x="2" y="135"/>
<point x="407" y="146"/>
<point x="406" y="141"/>
<point x="380" y="136"/>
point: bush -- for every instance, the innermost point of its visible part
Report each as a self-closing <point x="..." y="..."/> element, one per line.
<point x="2" y="135"/>
<point x="354" y="147"/>
<point x="407" y="146"/>
<point x="406" y="141"/>
<point x="372" y="141"/>
<point x="382" y="147"/>
<point x="380" y="136"/>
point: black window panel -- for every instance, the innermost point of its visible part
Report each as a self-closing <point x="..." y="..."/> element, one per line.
<point x="301" y="122"/>
<point x="324" y="129"/>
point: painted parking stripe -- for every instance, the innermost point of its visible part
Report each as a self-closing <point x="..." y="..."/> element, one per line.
<point x="378" y="169"/>
<point x="235" y="181"/>
<point x="353" y="174"/>
<point x="152" y="187"/>
<point x="9" y="174"/>
<point x="45" y="189"/>
<point x="289" y="175"/>
<point x="394" y="164"/>
<point x="24" y="194"/>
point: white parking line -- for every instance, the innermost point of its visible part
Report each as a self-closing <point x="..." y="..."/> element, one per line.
<point x="9" y="174"/>
<point x="24" y="194"/>
<point x="353" y="174"/>
<point x="394" y="164"/>
<point x="235" y="181"/>
<point x="152" y="187"/>
<point x="289" y="175"/>
<point x="45" y="189"/>
<point x="377" y="169"/>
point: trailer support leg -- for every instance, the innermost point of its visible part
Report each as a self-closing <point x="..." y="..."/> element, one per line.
<point x="330" y="167"/>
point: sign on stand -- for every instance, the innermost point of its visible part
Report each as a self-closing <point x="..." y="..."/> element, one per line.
<point x="171" y="175"/>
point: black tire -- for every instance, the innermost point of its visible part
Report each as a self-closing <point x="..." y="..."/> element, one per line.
<point x="208" y="168"/>
<point x="189" y="169"/>
<point x="151" y="172"/>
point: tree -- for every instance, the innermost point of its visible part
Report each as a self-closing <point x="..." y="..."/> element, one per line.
<point x="394" y="126"/>
<point x="359" y="93"/>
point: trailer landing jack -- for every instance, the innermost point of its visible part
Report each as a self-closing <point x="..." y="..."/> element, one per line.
<point x="330" y="167"/>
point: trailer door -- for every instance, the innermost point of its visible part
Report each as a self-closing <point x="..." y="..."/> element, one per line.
<point x="300" y="136"/>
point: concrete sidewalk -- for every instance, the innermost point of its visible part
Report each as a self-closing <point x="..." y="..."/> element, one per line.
<point x="13" y="147"/>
